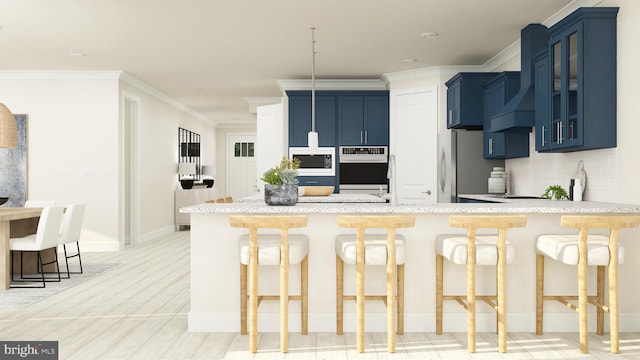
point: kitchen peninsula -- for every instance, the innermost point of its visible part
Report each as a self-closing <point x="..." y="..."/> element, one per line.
<point x="215" y="268"/>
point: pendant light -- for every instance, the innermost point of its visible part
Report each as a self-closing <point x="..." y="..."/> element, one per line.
<point x="312" y="136"/>
<point x="8" y="128"/>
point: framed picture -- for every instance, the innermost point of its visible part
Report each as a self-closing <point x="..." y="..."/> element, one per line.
<point x="13" y="167"/>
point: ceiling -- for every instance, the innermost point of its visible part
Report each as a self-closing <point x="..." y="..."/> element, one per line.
<point x="212" y="55"/>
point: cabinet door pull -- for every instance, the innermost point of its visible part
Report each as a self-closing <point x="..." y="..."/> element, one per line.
<point x="313" y="182"/>
<point x="366" y="137"/>
<point x="450" y="117"/>
<point x="560" y="136"/>
<point x="361" y="136"/>
<point x="542" y="135"/>
<point x="490" y="146"/>
<point x="571" y="131"/>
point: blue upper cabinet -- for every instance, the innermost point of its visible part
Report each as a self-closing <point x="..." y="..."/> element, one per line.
<point x="505" y="144"/>
<point x="578" y="96"/>
<point x="342" y="117"/>
<point x="465" y="101"/>
<point x="351" y="118"/>
<point x="363" y="118"/>
<point x="300" y="118"/>
<point x="542" y="101"/>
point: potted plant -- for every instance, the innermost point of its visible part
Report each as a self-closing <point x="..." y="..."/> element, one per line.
<point x="555" y="192"/>
<point x="281" y="183"/>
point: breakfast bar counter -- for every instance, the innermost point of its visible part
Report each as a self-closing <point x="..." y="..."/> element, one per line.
<point x="215" y="284"/>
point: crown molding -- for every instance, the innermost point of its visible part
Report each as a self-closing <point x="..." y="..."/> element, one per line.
<point x="568" y="9"/>
<point x="60" y="75"/>
<point x="254" y="102"/>
<point x="149" y="90"/>
<point x="333" y="84"/>
<point x="430" y="72"/>
<point x="495" y="62"/>
<point x="117" y="75"/>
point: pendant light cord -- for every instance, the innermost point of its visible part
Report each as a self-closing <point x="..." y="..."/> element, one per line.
<point x="313" y="80"/>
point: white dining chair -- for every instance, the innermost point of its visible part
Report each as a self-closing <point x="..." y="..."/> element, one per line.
<point x="46" y="237"/>
<point x="39" y="203"/>
<point x="70" y="233"/>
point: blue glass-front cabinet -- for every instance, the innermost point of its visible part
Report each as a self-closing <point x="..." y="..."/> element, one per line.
<point x="576" y="83"/>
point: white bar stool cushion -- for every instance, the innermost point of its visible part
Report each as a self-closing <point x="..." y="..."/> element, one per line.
<point x="453" y="247"/>
<point x="269" y="248"/>
<point x="564" y="248"/>
<point x="375" y="249"/>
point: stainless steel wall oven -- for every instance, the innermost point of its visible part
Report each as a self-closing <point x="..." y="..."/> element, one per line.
<point x="363" y="169"/>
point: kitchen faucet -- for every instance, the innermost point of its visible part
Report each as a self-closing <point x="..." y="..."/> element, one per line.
<point x="391" y="175"/>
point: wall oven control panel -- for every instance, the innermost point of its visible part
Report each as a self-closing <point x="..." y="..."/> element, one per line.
<point x="363" y="154"/>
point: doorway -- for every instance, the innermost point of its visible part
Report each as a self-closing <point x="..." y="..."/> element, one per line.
<point x="130" y="208"/>
<point x="241" y="176"/>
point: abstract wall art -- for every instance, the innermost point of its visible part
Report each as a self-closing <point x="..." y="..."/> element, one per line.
<point x="13" y="168"/>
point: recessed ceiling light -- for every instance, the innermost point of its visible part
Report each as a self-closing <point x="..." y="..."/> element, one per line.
<point x="77" y="55"/>
<point x="429" y="35"/>
<point x="409" y="61"/>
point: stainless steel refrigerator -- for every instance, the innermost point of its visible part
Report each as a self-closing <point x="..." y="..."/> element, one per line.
<point x="463" y="169"/>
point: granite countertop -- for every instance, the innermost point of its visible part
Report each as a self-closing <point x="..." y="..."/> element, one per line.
<point x="500" y="198"/>
<point x="511" y="206"/>
<point x="332" y="198"/>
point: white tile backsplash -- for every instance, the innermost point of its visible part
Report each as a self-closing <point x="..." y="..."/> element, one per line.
<point x="532" y="175"/>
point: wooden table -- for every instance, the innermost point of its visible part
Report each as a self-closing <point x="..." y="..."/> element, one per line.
<point x="14" y="222"/>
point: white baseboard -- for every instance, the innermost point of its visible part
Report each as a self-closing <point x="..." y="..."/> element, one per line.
<point x="108" y="245"/>
<point x="98" y="246"/>
<point x="155" y="234"/>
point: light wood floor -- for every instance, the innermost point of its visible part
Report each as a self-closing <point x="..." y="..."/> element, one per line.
<point x="139" y="311"/>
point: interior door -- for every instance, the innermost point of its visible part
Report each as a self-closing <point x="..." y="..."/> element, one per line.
<point x="241" y="178"/>
<point x="414" y="144"/>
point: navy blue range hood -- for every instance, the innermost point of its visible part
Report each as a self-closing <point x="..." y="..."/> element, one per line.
<point x="519" y="112"/>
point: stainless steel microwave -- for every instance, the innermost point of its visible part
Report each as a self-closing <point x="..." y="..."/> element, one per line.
<point x="317" y="162"/>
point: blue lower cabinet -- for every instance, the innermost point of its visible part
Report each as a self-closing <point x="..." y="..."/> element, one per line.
<point x="473" y="201"/>
<point x="318" y="181"/>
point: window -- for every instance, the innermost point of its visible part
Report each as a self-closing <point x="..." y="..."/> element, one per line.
<point x="243" y="149"/>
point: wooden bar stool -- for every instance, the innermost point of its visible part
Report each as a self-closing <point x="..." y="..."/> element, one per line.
<point x="373" y="249"/>
<point x="475" y="250"/>
<point x="585" y="250"/>
<point x="271" y="249"/>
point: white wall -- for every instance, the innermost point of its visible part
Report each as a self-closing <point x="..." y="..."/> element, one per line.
<point x="158" y="157"/>
<point x="74" y="144"/>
